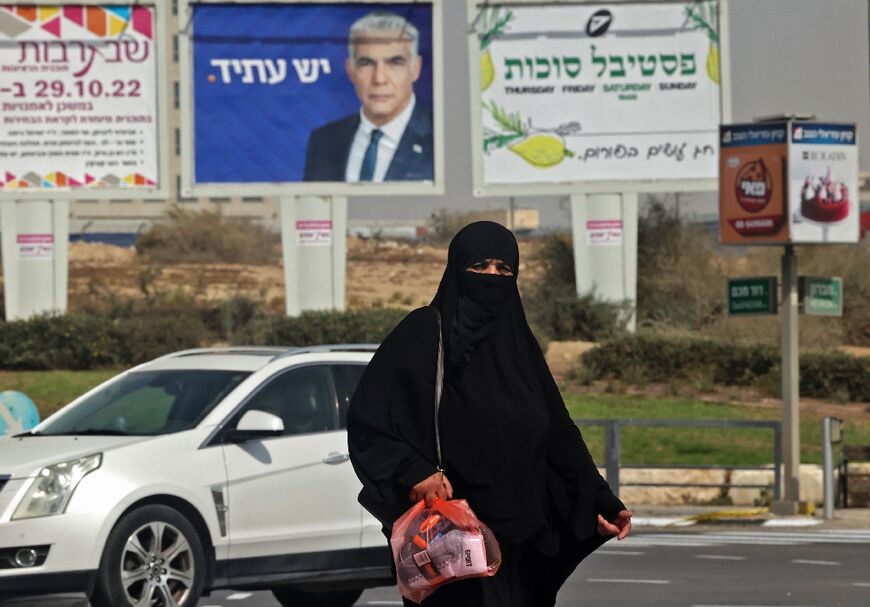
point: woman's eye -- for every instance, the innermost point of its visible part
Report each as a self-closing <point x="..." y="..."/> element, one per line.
<point x="503" y="268"/>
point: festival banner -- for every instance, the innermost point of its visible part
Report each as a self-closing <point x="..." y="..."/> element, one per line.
<point x="277" y="100"/>
<point x="823" y="180"/>
<point x="79" y="98"/>
<point x="582" y="92"/>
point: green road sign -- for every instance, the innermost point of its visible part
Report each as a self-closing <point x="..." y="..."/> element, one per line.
<point x="756" y="295"/>
<point x="822" y="296"/>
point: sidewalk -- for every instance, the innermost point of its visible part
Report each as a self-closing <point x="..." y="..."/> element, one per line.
<point x="675" y="517"/>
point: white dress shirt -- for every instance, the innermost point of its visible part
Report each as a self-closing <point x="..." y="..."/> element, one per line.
<point x="387" y="145"/>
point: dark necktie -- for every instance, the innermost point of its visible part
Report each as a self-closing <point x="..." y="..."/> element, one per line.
<point x="367" y="170"/>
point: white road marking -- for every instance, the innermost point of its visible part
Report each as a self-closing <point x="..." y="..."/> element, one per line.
<point x="755" y="538"/>
<point x="862" y="584"/>
<point x="603" y="580"/>
<point x="238" y="596"/>
<point x="811" y="562"/>
<point x="720" y="557"/>
<point x="662" y="521"/>
<point x="705" y="605"/>
<point x="791" y="522"/>
<point x="621" y="552"/>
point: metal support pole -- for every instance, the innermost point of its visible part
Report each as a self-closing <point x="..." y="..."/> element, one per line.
<point x="777" y="463"/>
<point x="790" y="385"/>
<point x="612" y="455"/>
<point x="828" y="468"/>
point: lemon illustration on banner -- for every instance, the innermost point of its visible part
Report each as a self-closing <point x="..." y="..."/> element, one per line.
<point x="713" y="62"/>
<point x="492" y="24"/>
<point x="487" y="70"/>
<point x="703" y="15"/>
<point x="540" y="150"/>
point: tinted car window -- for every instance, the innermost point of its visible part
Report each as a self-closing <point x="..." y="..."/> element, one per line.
<point x="148" y="402"/>
<point x="304" y="399"/>
<point x="346" y="380"/>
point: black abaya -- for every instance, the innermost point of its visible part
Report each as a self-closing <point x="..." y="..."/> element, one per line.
<point x="509" y="445"/>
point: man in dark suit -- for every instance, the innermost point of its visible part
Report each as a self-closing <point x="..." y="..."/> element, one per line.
<point x="390" y="138"/>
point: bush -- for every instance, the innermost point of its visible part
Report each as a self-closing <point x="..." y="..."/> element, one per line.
<point x="90" y="341"/>
<point x="324" y="327"/>
<point x="207" y="237"/>
<point x="667" y="359"/>
<point x="555" y="310"/>
<point x="680" y="278"/>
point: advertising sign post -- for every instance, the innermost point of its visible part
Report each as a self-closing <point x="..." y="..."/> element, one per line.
<point x="34" y="237"/>
<point x="314" y="242"/>
<point x="787" y="181"/>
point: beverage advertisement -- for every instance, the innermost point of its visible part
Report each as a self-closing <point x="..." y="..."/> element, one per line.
<point x="582" y="92"/>
<point x="752" y="184"/>
<point x="823" y="180"/>
<point x="79" y="98"/>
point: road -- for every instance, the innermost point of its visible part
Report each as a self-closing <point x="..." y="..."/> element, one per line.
<point x="737" y="567"/>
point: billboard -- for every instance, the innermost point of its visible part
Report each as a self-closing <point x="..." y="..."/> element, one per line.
<point x="592" y="94"/>
<point x="324" y="98"/>
<point x="823" y="183"/>
<point x="753" y="195"/>
<point x="80" y="106"/>
<point x="788" y="182"/>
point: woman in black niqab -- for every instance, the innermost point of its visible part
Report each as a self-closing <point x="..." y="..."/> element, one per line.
<point x="509" y="446"/>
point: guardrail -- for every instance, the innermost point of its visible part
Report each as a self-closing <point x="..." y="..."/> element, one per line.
<point x="612" y="451"/>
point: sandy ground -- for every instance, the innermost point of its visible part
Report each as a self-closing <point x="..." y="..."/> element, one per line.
<point x="379" y="273"/>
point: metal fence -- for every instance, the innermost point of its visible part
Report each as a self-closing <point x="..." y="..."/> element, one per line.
<point x="612" y="451"/>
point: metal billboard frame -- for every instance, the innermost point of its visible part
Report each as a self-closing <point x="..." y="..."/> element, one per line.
<point x="482" y="189"/>
<point x="189" y="187"/>
<point x="162" y="89"/>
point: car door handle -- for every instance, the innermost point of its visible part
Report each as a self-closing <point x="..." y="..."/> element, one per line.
<point x="336" y="458"/>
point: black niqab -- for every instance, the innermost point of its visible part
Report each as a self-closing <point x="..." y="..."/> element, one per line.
<point x="509" y="445"/>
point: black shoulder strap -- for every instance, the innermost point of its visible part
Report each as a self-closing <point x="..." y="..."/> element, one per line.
<point x="439" y="387"/>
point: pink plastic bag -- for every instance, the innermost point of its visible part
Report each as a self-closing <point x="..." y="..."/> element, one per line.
<point x="438" y="545"/>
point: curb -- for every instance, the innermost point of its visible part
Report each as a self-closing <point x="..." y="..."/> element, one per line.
<point x="760" y="517"/>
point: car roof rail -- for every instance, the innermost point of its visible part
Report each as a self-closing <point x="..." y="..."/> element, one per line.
<point x="230" y="350"/>
<point x="327" y="348"/>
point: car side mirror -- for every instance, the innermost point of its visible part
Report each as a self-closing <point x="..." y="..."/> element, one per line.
<point x="254" y="425"/>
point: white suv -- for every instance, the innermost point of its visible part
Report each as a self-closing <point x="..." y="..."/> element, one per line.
<point x="203" y="469"/>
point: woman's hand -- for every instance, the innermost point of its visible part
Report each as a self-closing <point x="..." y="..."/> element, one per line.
<point x="620" y="527"/>
<point x="436" y="485"/>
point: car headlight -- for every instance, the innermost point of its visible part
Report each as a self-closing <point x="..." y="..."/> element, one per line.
<point x="54" y="485"/>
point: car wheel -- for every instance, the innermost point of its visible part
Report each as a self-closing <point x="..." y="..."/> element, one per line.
<point x="291" y="597"/>
<point x="154" y="558"/>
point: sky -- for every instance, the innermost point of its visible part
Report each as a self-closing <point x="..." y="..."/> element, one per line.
<point x="787" y="56"/>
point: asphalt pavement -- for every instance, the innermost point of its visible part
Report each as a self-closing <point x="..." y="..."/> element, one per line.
<point x="693" y="558"/>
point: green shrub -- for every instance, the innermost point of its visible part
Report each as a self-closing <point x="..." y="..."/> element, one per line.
<point x="554" y="309"/>
<point x="828" y="375"/>
<point x="324" y="327"/>
<point x="91" y="341"/>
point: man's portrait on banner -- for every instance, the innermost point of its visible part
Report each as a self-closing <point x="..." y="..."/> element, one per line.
<point x="390" y="137"/>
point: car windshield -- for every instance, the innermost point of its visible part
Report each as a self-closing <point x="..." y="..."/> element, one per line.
<point x="147" y="403"/>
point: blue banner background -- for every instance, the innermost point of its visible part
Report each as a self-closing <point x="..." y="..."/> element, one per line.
<point x="257" y="133"/>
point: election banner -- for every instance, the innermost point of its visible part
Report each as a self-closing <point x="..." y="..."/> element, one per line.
<point x="823" y="183"/>
<point x="598" y="93"/>
<point x="78" y="92"/>
<point x="316" y="93"/>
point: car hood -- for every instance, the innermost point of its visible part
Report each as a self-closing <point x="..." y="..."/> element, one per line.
<point x="24" y="457"/>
